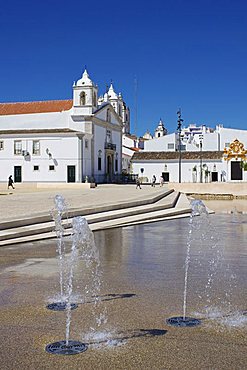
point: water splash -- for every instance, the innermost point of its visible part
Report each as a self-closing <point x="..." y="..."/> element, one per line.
<point x="198" y="208"/>
<point x="76" y="229"/>
<point x="210" y="261"/>
<point x="84" y="253"/>
<point x="58" y="213"/>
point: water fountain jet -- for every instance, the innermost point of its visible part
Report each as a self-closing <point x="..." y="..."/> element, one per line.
<point x="198" y="208"/>
<point x="57" y="214"/>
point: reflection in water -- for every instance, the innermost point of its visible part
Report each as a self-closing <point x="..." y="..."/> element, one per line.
<point x="154" y="257"/>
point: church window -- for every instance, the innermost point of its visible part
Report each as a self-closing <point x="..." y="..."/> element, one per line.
<point x="108" y="136"/>
<point x="1" y="145"/>
<point x="94" y="99"/>
<point x="17" y="147"/>
<point x="36" y="147"/>
<point x="83" y="98"/>
<point x="119" y="110"/>
<point x="158" y="134"/>
<point x="108" y="115"/>
<point x="86" y="143"/>
<point x="99" y="160"/>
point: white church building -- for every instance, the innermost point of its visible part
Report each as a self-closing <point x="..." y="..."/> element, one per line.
<point x="64" y="140"/>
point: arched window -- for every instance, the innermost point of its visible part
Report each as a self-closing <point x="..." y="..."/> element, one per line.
<point x="82" y="98"/>
<point x="158" y="134"/>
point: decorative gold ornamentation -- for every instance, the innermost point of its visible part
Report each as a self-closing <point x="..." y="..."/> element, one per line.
<point x="236" y="150"/>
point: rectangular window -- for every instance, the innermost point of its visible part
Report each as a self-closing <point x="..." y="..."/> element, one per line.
<point x="108" y="136"/>
<point x="170" y="146"/>
<point x="116" y="165"/>
<point x="99" y="164"/>
<point x="1" y="145"/>
<point x="51" y="168"/>
<point x="227" y="145"/>
<point x="17" y="147"/>
<point x="36" y="168"/>
<point x="182" y="147"/>
<point x="86" y="143"/>
<point x="36" y="147"/>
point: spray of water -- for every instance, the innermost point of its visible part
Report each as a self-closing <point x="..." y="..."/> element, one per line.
<point x="59" y="211"/>
<point x="198" y="208"/>
<point x="84" y="252"/>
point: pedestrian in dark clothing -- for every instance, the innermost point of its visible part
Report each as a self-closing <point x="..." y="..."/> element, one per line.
<point x="138" y="183"/>
<point x="153" y="181"/>
<point x="11" y="182"/>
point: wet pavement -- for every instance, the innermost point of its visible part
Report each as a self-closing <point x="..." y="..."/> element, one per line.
<point x="143" y="282"/>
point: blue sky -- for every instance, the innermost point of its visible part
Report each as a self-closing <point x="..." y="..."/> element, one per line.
<point x="190" y="54"/>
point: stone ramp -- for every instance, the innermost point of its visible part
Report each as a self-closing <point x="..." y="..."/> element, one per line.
<point x="164" y="206"/>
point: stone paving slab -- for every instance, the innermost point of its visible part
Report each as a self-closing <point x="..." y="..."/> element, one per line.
<point x="26" y="202"/>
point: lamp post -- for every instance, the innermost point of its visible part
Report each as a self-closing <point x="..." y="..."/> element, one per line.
<point x="200" y="138"/>
<point x="180" y="120"/>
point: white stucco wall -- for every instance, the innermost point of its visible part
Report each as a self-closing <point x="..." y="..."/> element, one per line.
<point x="228" y="135"/>
<point x="160" y="144"/>
<point x="64" y="151"/>
<point x="157" y="167"/>
<point x="35" y="121"/>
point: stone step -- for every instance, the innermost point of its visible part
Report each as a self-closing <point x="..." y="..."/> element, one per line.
<point x="143" y="218"/>
<point x="168" y="201"/>
<point x="80" y="211"/>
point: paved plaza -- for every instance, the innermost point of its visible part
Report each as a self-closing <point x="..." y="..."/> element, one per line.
<point x="31" y="201"/>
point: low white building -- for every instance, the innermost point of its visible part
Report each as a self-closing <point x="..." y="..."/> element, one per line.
<point x="206" y="155"/>
<point x="64" y="140"/>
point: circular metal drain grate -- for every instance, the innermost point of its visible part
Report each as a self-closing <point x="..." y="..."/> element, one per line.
<point x="60" y="348"/>
<point x="183" y="322"/>
<point x="60" y="306"/>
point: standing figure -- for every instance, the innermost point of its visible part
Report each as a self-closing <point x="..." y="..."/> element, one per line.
<point x="161" y="181"/>
<point x="11" y="182"/>
<point x="153" y="181"/>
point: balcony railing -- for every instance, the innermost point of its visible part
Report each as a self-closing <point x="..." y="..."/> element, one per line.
<point x="110" y="146"/>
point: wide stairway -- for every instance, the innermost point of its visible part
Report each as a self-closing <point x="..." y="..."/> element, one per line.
<point x="166" y="205"/>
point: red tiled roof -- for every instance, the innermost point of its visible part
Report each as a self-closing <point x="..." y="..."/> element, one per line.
<point x="196" y="155"/>
<point x="35" y="107"/>
<point x="131" y="148"/>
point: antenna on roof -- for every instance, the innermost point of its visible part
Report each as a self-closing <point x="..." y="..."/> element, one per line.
<point x="135" y="103"/>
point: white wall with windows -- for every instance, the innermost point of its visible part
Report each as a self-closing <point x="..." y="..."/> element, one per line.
<point x="190" y="170"/>
<point x="164" y="143"/>
<point x="47" y="163"/>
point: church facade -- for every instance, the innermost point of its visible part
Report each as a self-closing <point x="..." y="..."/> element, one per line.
<point x="64" y="140"/>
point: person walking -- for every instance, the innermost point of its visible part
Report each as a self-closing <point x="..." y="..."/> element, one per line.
<point x="11" y="182"/>
<point x="138" y="183"/>
<point x="153" y="181"/>
<point x="161" y="180"/>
